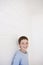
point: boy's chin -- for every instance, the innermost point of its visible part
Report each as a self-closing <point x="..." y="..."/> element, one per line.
<point x="24" y="50"/>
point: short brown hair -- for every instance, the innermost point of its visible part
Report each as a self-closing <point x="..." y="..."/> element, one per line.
<point x="21" y="38"/>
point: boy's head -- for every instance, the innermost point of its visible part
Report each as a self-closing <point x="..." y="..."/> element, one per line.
<point x="23" y="43"/>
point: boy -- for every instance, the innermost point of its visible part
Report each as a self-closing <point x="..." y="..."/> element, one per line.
<point x="21" y="56"/>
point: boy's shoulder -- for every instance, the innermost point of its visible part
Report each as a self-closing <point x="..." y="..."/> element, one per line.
<point x="17" y="53"/>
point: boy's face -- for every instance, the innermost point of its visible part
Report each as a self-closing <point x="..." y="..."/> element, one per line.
<point x="23" y="45"/>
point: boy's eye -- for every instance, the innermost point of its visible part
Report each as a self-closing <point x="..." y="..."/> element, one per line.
<point x="26" y="42"/>
<point x="22" y="43"/>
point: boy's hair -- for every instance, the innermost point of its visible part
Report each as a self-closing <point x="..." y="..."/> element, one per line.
<point x="21" y="38"/>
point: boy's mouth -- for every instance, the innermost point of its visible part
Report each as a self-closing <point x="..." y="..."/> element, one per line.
<point x="25" y="47"/>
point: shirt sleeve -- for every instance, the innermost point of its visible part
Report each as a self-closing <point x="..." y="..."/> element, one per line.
<point x="16" y="60"/>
